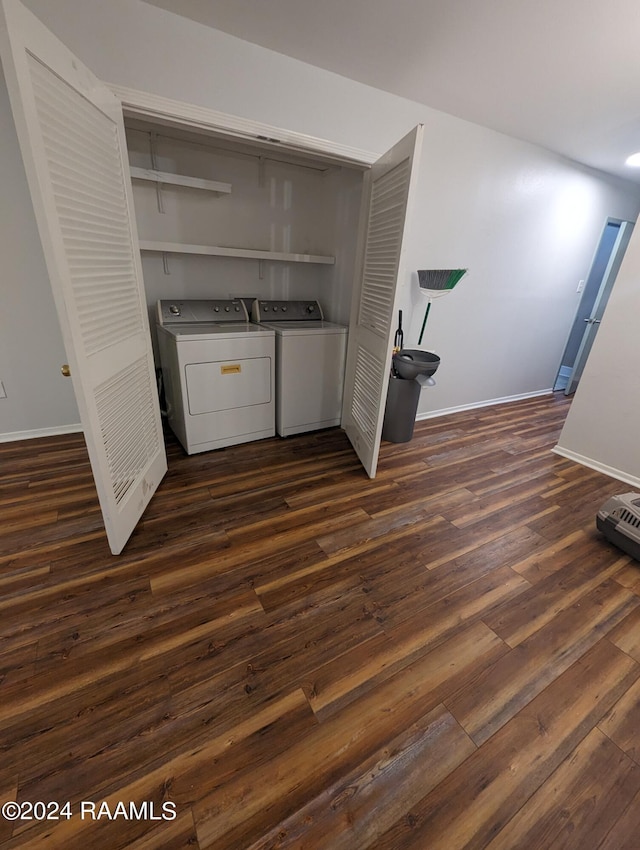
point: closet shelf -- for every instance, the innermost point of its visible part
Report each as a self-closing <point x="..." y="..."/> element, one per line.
<point x="180" y="180"/>
<point x="247" y="253"/>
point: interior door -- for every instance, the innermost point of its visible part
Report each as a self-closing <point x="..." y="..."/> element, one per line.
<point x="391" y="186"/>
<point x="72" y="139"/>
<point x="592" y="323"/>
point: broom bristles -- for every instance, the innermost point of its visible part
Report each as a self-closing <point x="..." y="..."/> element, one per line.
<point x="436" y="280"/>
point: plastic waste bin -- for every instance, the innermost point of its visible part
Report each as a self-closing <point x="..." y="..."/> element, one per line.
<point x="411" y="370"/>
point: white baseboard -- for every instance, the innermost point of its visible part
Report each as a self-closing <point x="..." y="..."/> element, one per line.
<point x="14" y="436"/>
<point x="589" y="462"/>
<point x="445" y="411"/>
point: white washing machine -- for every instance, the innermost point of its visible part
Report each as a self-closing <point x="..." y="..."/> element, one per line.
<point x="218" y="373"/>
<point x="310" y="362"/>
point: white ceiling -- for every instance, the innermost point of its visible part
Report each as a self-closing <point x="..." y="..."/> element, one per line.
<point x="564" y="74"/>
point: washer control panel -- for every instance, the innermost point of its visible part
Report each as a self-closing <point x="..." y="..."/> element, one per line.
<point x="284" y="311"/>
<point x="216" y="310"/>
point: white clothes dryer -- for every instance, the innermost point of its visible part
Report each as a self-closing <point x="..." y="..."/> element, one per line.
<point x="310" y="362"/>
<point x="218" y="372"/>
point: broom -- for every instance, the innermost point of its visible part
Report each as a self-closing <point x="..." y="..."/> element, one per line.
<point x="436" y="282"/>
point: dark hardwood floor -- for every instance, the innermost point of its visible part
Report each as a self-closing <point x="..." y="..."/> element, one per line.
<point x="290" y="655"/>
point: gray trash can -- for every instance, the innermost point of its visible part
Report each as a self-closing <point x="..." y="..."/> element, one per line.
<point x="411" y="367"/>
<point x="400" y="412"/>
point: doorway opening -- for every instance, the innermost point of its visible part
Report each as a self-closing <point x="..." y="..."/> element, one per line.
<point x="598" y="285"/>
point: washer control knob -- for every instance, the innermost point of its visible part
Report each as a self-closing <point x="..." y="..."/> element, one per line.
<point x="311" y="308"/>
<point x="266" y="308"/>
<point x="227" y="309"/>
<point x="275" y="308"/>
<point x="237" y="309"/>
<point x="284" y="308"/>
<point x="174" y="310"/>
<point x="216" y="309"/>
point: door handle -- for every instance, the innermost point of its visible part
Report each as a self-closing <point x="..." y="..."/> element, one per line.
<point x="66" y="371"/>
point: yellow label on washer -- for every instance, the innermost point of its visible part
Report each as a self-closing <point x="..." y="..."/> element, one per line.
<point x="231" y="369"/>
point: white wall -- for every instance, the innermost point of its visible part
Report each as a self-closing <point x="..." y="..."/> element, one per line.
<point x="524" y="221"/>
<point x="602" y="427"/>
<point x="526" y="224"/>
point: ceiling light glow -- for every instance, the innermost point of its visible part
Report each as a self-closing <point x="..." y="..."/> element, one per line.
<point x="633" y="160"/>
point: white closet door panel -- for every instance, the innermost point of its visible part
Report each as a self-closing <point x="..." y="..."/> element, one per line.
<point x="72" y="140"/>
<point x="382" y="251"/>
<point x="367" y="387"/>
<point x="392" y="184"/>
<point x="88" y="139"/>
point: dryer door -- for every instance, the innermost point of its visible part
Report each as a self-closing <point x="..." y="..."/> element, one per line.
<point x="392" y="186"/>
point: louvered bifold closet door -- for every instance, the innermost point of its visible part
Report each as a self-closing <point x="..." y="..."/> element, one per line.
<point x="72" y="139"/>
<point x="371" y="335"/>
<point x="382" y="251"/>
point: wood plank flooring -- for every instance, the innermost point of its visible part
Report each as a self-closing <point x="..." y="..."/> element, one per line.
<point x="290" y="655"/>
